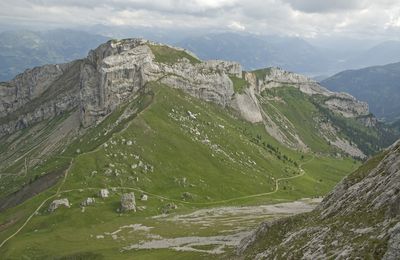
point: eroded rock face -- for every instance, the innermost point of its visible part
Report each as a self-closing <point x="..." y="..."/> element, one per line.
<point x="28" y="86"/>
<point x="248" y="104"/>
<point x="111" y="74"/>
<point x="128" y="202"/>
<point x="379" y="189"/>
<point x="118" y="70"/>
<point x="341" y="103"/>
<point x="38" y="94"/>
<point x="347" y="105"/>
<point x="393" y="250"/>
<point x="58" y="203"/>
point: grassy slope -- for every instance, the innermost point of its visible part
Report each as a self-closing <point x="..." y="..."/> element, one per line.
<point x="235" y="162"/>
<point x="26" y="143"/>
<point x="165" y="54"/>
<point x="261" y="73"/>
<point x="306" y="113"/>
<point x="297" y="108"/>
<point x="239" y="84"/>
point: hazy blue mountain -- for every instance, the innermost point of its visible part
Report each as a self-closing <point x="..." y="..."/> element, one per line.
<point x="253" y="51"/>
<point x="292" y="53"/>
<point x="23" y="49"/>
<point x="378" y="85"/>
<point x="20" y="50"/>
<point x="380" y="54"/>
<point x="162" y="35"/>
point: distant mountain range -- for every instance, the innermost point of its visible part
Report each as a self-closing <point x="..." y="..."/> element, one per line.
<point x="379" y="86"/>
<point x="254" y="52"/>
<point x="290" y="53"/>
<point x="20" y="50"/>
<point x="24" y="49"/>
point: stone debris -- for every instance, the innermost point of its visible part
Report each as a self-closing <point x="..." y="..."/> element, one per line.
<point x="108" y="172"/>
<point x="128" y="202"/>
<point x="143" y="197"/>
<point x="104" y="193"/>
<point x="57" y="203"/>
<point x="191" y="115"/>
<point x="187" y="196"/>
<point x="88" y="201"/>
<point x="167" y="208"/>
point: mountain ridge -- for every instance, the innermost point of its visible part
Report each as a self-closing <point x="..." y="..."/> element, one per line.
<point x="377" y="85"/>
<point x="104" y="84"/>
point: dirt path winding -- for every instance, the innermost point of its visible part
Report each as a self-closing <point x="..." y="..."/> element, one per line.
<point x="58" y="192"/>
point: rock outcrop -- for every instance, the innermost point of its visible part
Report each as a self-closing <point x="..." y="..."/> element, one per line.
<point x="88" y="201"/>
<point x="128" y="202"/>
<point x="341" y="103"/>
<point x="38" y="94"/>
<point x="358" y="219"/>
<point x="117" y="70"/>
<point x="251" y="108"/>
<point x="58" y="203"/>
<point x="29" y="85"/>
<point x="111" y="74"/>
<point x="104" y="193"/>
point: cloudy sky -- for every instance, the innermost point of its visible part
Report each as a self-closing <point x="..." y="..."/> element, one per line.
<point x="305" y="18"/>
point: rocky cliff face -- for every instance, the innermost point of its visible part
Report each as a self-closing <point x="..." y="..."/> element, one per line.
<point x="341" y="103"/>
<point x="28" y="86"/>
<point x="115" y="71"/>
<point x="360" y="218"/>
<point x="250" y="106"/>
<point x="111" y="74"/>
<point x="37" y="95"/>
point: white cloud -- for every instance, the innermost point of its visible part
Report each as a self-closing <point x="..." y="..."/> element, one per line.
<point x="308" y="18"/>
<point x="325" y="6"/>
<point x="236" y="26"/>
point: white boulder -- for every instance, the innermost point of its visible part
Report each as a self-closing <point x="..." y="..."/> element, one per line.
<point x="57" y="203"/>
<point x="104" y="193"/>
<point x="128" y="202"/>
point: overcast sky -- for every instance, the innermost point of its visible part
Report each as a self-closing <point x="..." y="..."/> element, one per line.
<point x="305" y="18"/>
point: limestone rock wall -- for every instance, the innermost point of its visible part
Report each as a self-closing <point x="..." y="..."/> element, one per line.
<point x="341" y="103"/>
<point x="111" y="74"/>
<point x="27" y="86"/>
<point x="117" y="70"/>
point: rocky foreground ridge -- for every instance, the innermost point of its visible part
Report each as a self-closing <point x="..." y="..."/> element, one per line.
<point x="358" y="219"/>
<point x="119" y="70"/>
